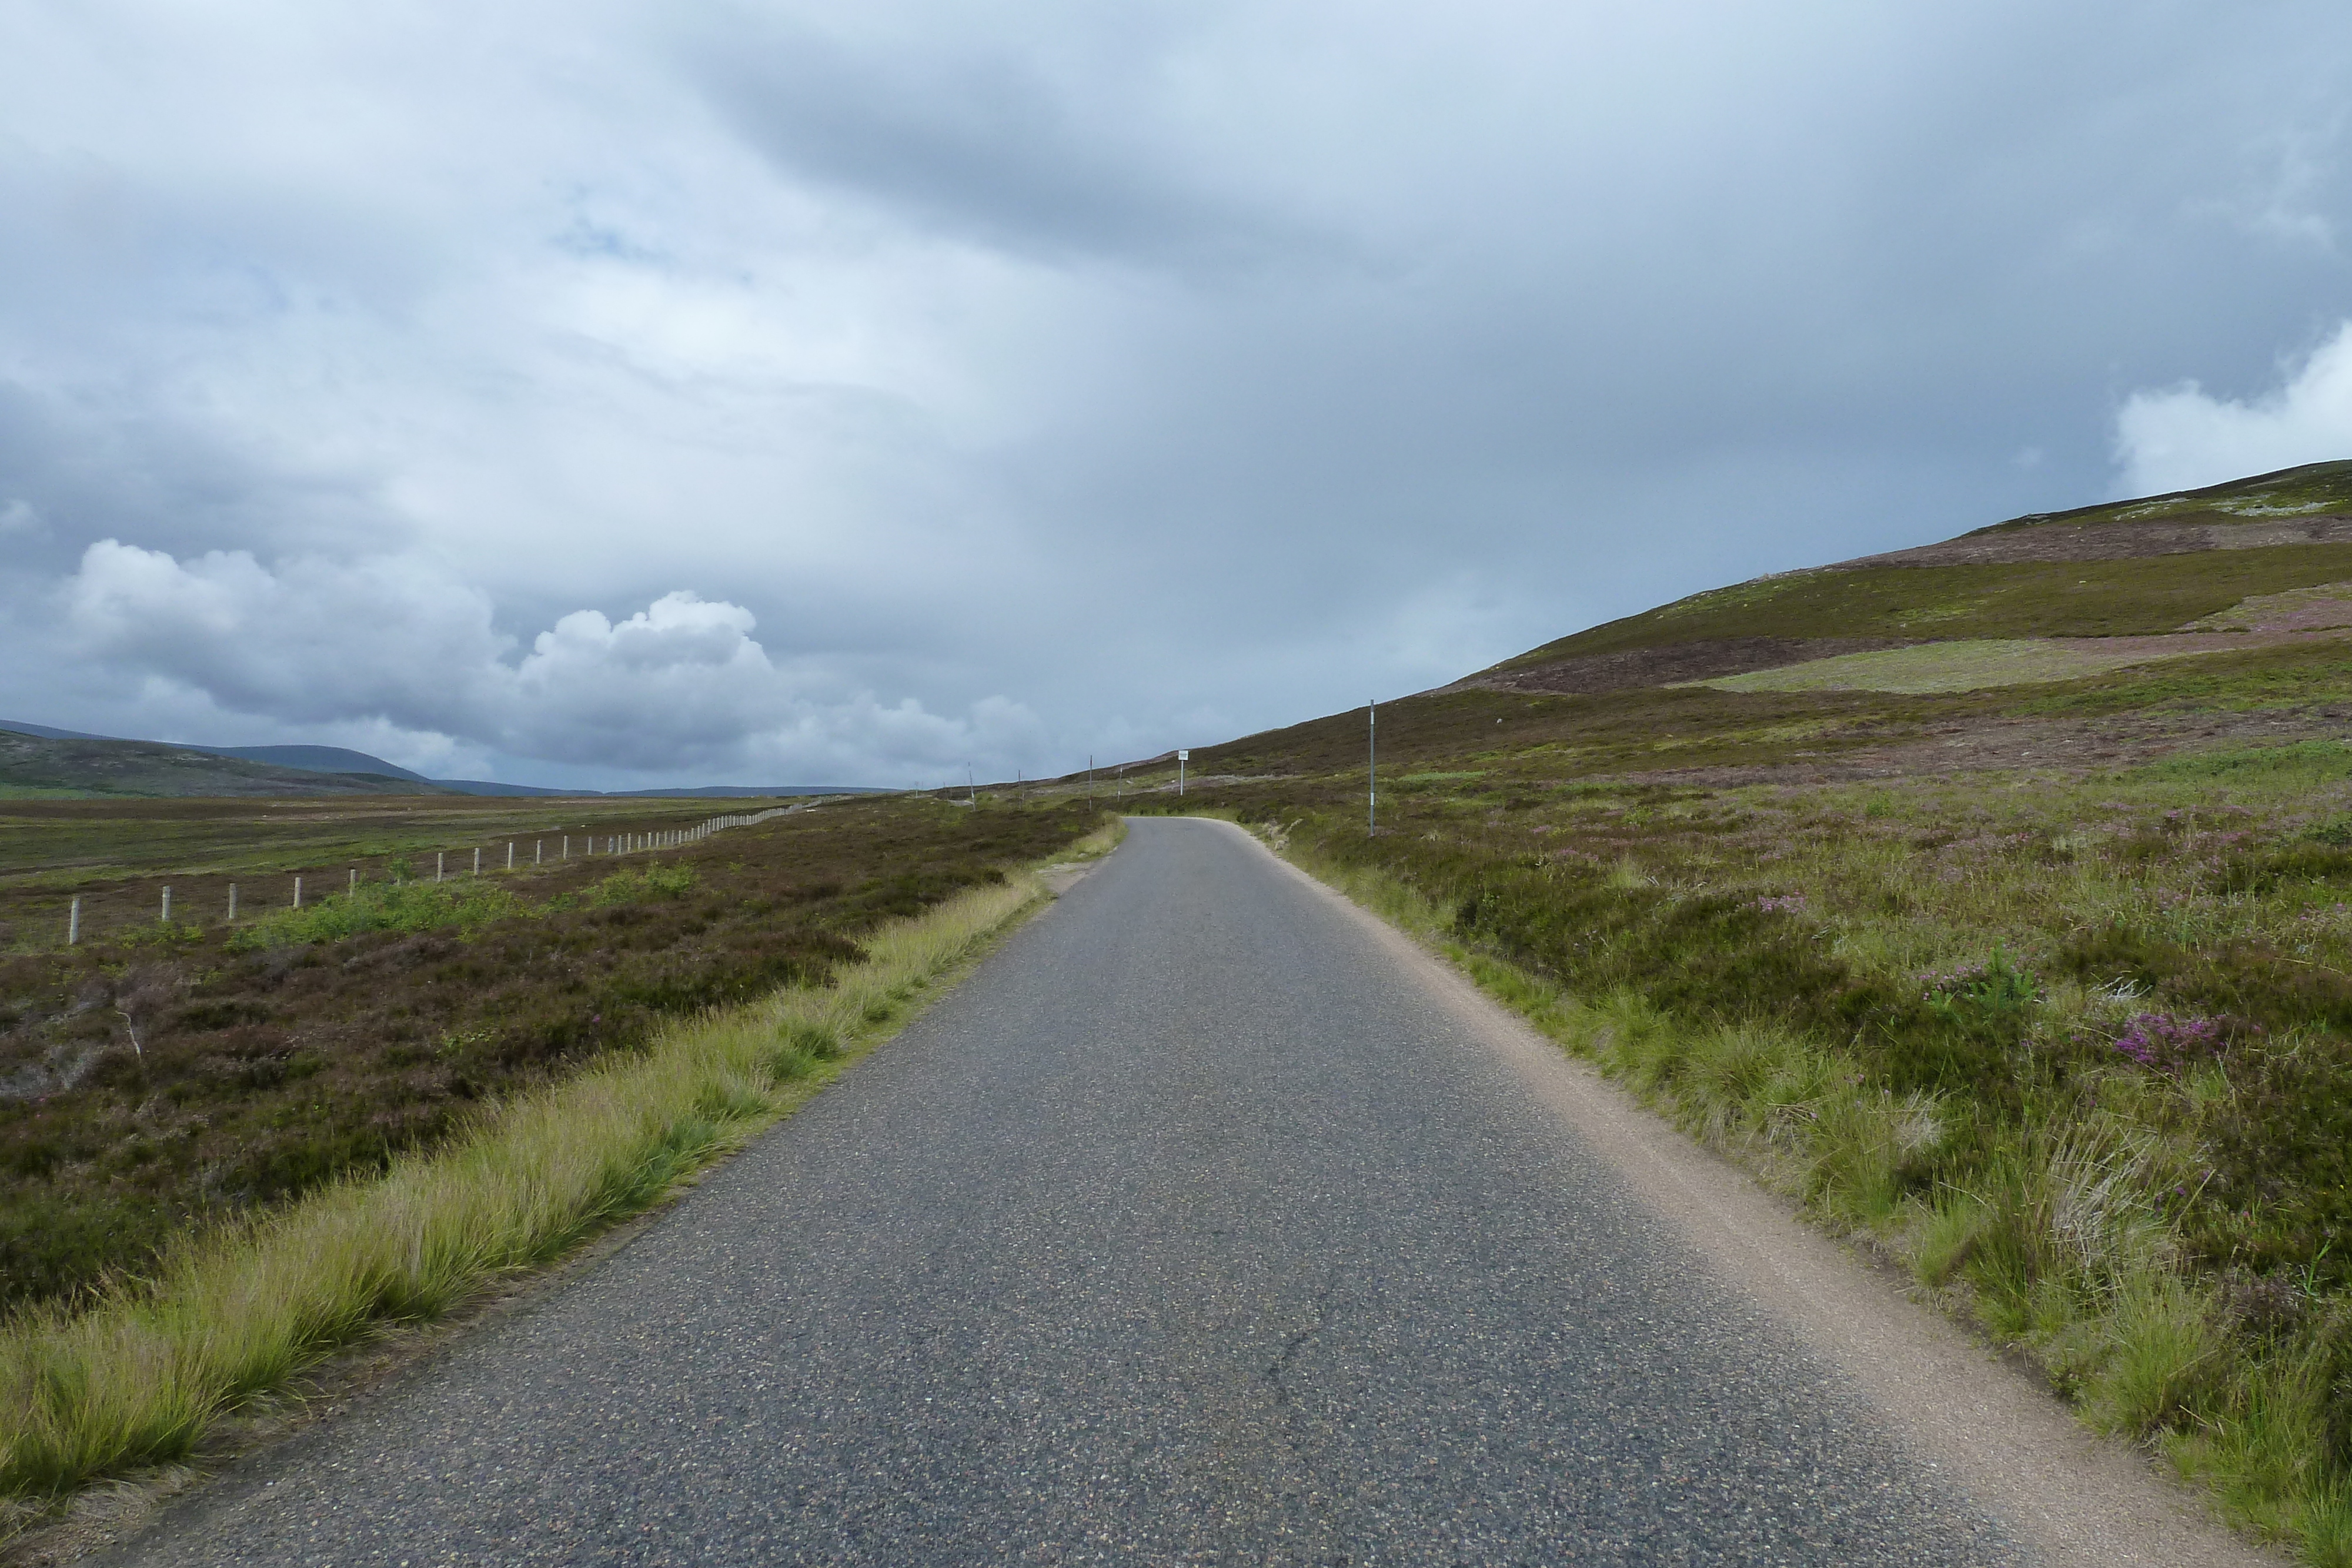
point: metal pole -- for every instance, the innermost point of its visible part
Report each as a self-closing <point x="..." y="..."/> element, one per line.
<point x="167" y="906"/>
<point x="298" y="892"/>
<point x="73" y="922"/>
<point x="1371" y="768"/>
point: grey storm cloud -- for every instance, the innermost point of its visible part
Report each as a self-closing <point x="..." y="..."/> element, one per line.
<point x="989" y="145"/>
<point x="598" y="391"/>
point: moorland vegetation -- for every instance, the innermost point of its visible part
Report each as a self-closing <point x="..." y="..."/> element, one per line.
<point x="158" y="1079"/>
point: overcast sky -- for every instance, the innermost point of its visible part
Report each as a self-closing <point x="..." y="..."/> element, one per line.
<point x="612" y="395"/>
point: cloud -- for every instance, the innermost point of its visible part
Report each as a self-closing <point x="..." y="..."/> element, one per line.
<point x="679" y="687"/>
<point x="2183" y="438"/>
<point x="1036" y="152"/>
<point x="1051" y="378"/>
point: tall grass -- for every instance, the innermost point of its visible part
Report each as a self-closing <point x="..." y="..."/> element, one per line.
<point x="141" y="1377"/>
<point x="2055" y="1227"/>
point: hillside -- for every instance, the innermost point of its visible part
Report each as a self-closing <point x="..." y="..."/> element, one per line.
<point x="316" y="770"/>
<point x="2078" y="639"/>
<point x="38" y="765"/>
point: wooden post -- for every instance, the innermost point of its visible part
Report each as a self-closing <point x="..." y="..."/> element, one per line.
<point x="355" y="883"/>
<point x="298" y="892"/>
<point x="232" y="904"/>
<point x="73" y="922"/>
<point x="539" y="851"/>
<point x="440" y="864"/>
<point x="567" y="846"/>
<point x="477" y="860"/>
<point x="167" y="906"/>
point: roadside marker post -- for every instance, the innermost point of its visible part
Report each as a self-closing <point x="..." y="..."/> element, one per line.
<point x="167" y="906"/>
<point x="478" y="860"/>
<point x="1371" y="768"/>
<point x="1181" y="759"/>
<point x="355" y="883"/>
<point x="298" y="892"/>
<point x="73" y="922"/>
<point x="232" y="904"/>
<point x="440" y="864"/>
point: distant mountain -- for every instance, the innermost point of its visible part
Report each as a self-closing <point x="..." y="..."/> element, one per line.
<point x="484" y="786"/>
<point x="43" y="730"/>
<point x="68" y="764"/>
<point x="341" y="762"/>
<point x="747" y="791"/>
<point x="318" y="760"/>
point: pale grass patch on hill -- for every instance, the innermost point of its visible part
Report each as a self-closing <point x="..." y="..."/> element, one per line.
<point x="2323" y="606"/>
<point x="1974" y="663"/>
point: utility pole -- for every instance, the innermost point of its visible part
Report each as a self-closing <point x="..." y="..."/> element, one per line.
<point x="1371" y="768"/>
<point x="1090" y="775"/>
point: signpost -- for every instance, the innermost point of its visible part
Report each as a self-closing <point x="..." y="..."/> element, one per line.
<point x="1181" y="759"/>
<point x="1371" y="768"/>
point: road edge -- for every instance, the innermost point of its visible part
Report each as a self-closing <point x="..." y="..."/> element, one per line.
<point x="2080" y="1500"/>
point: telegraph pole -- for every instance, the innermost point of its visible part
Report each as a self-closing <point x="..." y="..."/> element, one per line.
<point x="1371" y="768"/>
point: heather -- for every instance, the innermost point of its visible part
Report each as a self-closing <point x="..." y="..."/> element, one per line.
<point x="158" y="1080"/>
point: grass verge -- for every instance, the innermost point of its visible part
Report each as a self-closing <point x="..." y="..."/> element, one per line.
<point x="138" y="1378"/>
<point x="2048" y="1228"/>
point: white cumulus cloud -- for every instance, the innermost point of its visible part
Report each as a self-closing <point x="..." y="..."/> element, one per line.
<point x="681" y="685"/>
<point x="2185" y="438"/>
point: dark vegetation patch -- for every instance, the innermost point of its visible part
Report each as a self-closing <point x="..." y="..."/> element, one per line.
<point x="2031" y="598"/>
<point x="150" y="1086"/>
<point x="2112" y="540"/>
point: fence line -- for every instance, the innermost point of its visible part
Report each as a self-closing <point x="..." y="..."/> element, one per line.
<point x="615" y="844"/>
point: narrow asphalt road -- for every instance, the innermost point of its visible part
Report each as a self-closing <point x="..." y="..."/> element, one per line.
<point x="1187" y="1230"/>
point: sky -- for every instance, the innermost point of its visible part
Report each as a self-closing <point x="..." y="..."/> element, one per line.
<point x="611" y="395"/>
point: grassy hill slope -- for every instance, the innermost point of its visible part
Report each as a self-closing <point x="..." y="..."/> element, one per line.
<point x="35" y="766"/>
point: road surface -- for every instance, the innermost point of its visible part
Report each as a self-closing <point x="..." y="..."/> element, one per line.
<point x="1193" y="1229"/>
